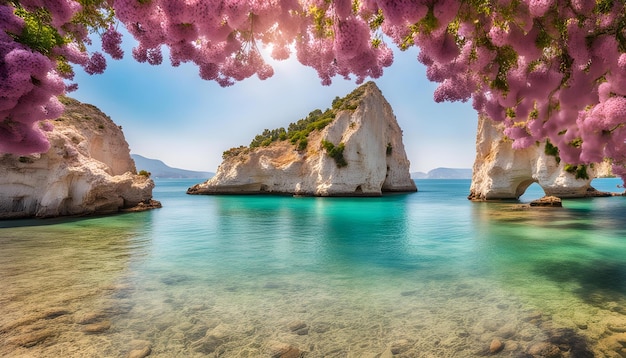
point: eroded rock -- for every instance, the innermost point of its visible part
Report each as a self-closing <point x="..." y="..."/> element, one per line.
<point x="373" y="150"/>
<point x="87" y="170"/>
<point x="500" y="172"/>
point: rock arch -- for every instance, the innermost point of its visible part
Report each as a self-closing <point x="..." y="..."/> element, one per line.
<point x="500" y="172"/>
<point x="521" y="188"/>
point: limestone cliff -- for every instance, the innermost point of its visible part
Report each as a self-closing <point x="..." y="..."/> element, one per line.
<point x="375" y="160"/>
<point x="500" y="172"/>
<point x="87" y="170"/>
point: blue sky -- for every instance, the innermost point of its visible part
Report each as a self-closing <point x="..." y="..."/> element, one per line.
<point x="173" y="115"/>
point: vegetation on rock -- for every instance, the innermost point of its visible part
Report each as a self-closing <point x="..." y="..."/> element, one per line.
<point x="235" y="151"/>
<point x="579" y="171"/>
<point x="550" y="149"/>
<point x="298" y="132"/>
<point x="335" y="152"/>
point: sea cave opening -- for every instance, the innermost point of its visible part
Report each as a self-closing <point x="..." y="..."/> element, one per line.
<point x="531" y="192"/>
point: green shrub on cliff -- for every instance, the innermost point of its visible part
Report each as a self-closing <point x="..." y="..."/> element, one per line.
<point x="579" y="171"/>
<point x="335" y="152"/>
<point x="298" y="132"/>
<point x="550" y="149"/>
<point x="235" y="151"/>
<point x="351" y="101"/>
<point x="268" y="136"/>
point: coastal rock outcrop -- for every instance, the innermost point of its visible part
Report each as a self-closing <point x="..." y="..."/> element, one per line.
<point x="87" y="170"/>
<point x="500" y="172"/>
<point x="357" y="153"/>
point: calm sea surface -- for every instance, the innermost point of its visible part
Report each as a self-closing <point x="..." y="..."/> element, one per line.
<point x="428" y="274"/>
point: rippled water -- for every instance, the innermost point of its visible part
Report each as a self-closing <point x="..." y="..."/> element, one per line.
<point x="428" y="274"/>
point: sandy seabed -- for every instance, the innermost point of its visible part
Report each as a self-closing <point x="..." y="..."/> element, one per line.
<point x="174" y="315"/>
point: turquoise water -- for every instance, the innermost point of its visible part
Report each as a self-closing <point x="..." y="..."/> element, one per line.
<point x="428" y="274"/>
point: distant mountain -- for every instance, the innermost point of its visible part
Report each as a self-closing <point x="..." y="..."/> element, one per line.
<point x="419" y="175"/>
<point x="444" y="173"/>
<point x="158" y="169"/>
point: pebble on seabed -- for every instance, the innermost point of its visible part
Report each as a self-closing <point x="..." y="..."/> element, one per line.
<point x="283" y="350"/>
<point x="495" y="346"/>
<point x="98" y="327"/>
<point x="140" y="349"/>
<point x="298" y="327"/>
<point x="544" y="349"/>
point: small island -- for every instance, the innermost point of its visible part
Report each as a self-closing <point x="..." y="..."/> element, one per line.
<point x="353" y="148"/>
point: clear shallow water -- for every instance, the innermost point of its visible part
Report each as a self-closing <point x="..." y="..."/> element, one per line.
<point x="428" y="274"/>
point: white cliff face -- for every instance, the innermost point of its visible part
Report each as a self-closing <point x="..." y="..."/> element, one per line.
<point x="374" y="152"/>
<point x="87" y="170"/>
<point x="500" y="172"/>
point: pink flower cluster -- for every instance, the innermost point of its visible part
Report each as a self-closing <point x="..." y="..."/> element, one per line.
<point x="547" y="69"/>
<point x="521" y="70"/>
<point x="31" y="81"/>
<point x="222" y="37"/>
<point x="111" y="42"/>
<point x="28" y="90"/>
<point x="96" y="64"/>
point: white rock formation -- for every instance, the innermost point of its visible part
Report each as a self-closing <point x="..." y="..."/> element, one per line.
<point x="87" y="170"/>
<point x="503" y="173"/>
<point x="375" y="156"/>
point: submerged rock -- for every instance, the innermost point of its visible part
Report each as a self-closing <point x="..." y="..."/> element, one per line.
<point x="140" y="353"/>
<point x="545" y="350"/>
<point x="31" y="339"/>
<point x="619" y="327"/>
<point x="400" y="346"/>
<point x="90" y="317"/>
<point x="140" y="349"/>
<point x="296" y="325"/>
<point x="87" y="170"/>
<point x="495" y="346"/>
<point x="283" y="350"/>
<point x="547" y="201"/>
<point x="207" y="344"/>
<point x="372" y="161"/>
<point x="97" y="327"/>
<point x="55" y="312"/>
<point x="212" y="339"/>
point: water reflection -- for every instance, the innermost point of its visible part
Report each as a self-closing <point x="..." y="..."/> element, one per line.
<point x="324" y="231"/>
<point x="579" y="247"/>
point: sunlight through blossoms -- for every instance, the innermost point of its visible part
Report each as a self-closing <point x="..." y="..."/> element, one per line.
<point x="548" y="69"/>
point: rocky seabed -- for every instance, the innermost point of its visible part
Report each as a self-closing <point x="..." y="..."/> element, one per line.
<point x="175" y="316"/>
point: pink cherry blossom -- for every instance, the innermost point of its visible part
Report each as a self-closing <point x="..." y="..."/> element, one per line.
<point x="111" y="41"/>
<point x="545" y="69"/>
